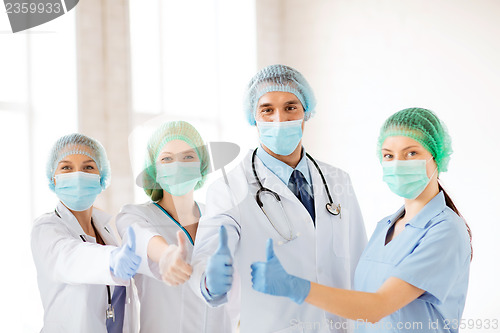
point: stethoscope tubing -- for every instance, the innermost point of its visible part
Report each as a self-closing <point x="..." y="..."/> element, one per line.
<point x="329" y="206"/>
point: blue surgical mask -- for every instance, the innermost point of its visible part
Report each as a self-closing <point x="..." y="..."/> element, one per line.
<point x="78" y="190"/>
<point x="281" y="137"/>
<point x="178" y="178"/>
<point x="407" y="179"/>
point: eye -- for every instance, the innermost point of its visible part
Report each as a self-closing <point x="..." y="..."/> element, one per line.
<point x="166" y="159"/>
<point x="388" y="156"/>
<point x="267" y="110"/>
<point x="89" y="167"/>
<point x="66" y="167"/>
<point x="188" y="157"/>
<point x="412" y="154"/>
<point x="291" y="108"/>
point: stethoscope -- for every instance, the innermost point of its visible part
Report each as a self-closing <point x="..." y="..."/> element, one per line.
<point x="334" y="209"/>
<point x="110" y="311"/>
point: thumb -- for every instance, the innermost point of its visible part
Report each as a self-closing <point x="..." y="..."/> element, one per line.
<point x="181" y="243"/>
<point x="222" y="239"/>
<point x="131" y="238"/>
<point x="269" y="249"/>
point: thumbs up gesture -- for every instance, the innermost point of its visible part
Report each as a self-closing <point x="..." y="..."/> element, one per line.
<point x="270" y="277"/>
<point x="219" y="271"/>
<point x="174" y="269"/>
<point x="124" y="263"/>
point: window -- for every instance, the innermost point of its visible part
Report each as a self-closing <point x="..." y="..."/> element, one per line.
<point x="37" y="105"/>
<point x="191" y="60"/>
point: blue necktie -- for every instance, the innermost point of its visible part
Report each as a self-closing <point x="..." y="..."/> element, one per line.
<point x="118" y="303"/>
<point x="299" y="187"/>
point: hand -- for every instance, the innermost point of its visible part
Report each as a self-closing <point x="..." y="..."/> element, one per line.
<point x="124" y="263"/>
<point x="219" y="271"/>
<point x="271" y="278"/>
<point x="174" y="269"/>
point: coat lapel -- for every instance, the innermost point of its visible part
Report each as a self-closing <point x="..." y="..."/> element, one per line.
<point x="102" y="222"/>
<point x="69" y="220"/>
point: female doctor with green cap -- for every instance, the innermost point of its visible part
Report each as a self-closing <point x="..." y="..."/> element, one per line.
<point x="177" y="163"/>
<point x="413" y="275"/>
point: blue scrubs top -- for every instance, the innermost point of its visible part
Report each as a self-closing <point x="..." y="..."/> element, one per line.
<point x="433" y="254"/>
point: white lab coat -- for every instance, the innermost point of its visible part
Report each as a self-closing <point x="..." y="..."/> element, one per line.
<point x="326" y="254"/>
<point x="72" y="274"/>
<point x="169" y="308"/>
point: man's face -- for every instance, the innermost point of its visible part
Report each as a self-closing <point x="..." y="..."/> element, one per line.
<point x="279" y="106"/>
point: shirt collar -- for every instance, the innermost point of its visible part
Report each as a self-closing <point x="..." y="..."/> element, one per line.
<point x="394" y="217"/>
<point x="430" y="210"/>
<point x="282" y="170"/>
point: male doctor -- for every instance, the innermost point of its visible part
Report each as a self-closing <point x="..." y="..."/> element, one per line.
<point x="312" y="242"/>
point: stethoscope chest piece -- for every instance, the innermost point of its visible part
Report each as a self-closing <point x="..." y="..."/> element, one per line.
<point x="333" y="209"/>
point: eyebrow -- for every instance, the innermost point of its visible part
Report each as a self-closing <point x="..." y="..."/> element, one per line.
<point x="70" y="162"/>
<point x="190" y="151"/>
<point x="401" y="149"/>
<point x="286" y="103"/>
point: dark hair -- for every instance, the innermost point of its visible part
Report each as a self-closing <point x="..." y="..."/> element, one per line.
<point x="452" y="206"/>
<point x="155" y="194"/>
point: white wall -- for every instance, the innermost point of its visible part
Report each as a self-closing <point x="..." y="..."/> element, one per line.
<point x="368" y="59"/>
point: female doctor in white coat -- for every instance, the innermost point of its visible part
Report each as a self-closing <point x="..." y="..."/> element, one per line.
<point x="176" y="164"/>
<point x="81" y="271"/>
<point x="315" y="222"/>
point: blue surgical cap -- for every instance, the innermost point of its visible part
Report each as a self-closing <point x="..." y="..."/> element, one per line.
<point x="278" y="78"/>
<point x="75" y="144"/>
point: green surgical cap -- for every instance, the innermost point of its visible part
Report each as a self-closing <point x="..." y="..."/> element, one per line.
<point x="423" y="126"/>
<point x="169" y="131"/>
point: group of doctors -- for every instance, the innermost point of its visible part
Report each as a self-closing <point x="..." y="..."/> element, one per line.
<point x="279" y="246"/>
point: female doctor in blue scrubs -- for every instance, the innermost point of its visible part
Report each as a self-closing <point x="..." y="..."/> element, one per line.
<point x="414" y="272"/>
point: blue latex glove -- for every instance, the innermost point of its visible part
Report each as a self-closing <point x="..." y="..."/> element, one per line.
<point x="219" y="271"/>
<point x="271" y="278"/>
<point x="123" y="261"/>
